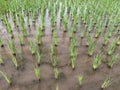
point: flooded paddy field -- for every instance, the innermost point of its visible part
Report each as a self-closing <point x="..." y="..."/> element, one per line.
<point x="51" y="47"/>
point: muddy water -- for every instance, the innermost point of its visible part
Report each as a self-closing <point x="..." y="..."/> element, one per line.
<point x="24" y="78"/>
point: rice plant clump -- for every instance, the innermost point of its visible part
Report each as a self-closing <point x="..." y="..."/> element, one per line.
<point x="112" y="60"/>
<point x="97" y="61"/>
<point x="80" y="79"/>
<point x="107" y="82"/>
<point x="91" y="49"/>
<point x="37" y="73"/>
<point x="111" y="48"/>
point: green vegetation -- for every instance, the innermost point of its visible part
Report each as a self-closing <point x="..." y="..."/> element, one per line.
<point x="20" y="38"/>
<point x="37" y="73"/>
<point x="80" y="79"/>
<point x="111" y="47"/>
<point x="112" y="60"/>
<point x="39" y="36"/>
<point x="97" y="61"/>
<point x="73" y="53"/>
<point x="106" y="83"/>
<point x="6" y="77"/>
<point x="1" y="42"/>
<point x="53" y="55"/>
<point x="11" y="46"/>
<point x="91" y="49"/>
<point x="56" y="73"/>
<point x="88" y="39"/>
<point x="38" y="57"/>
<point x="32" y="47"/>
<point x="1" y="60"/>
<point x="43" y="27"/>
<point x="118" y="40"/>
<point x="15" y="62"/>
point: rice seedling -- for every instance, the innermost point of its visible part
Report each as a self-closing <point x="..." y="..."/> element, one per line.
<point x="65" y="20"/>
<point x="28" y="21"/>
<point x="73" y="53"/>
<point x="111" y="47"/>
<point x="53" y="60"/>
<point x="112" y="60"/>
<point x="32" y="47"/>
<point x="6" y="77"/>
<point x="13" y="17"/>
<point x="76" y="20"/>
<point x="62" y="12"/>
<point x="74" y="26"/>
<point x="42" y="22"/>
<point x="89" y="27"/>
<point x="74" y="12"/>
<point x="39" y="36"/>
<point x="15" y="62"/>
<point x="23" y="30"/>
<point x="53" y="55"/>
<point x="118" y="40"/>
<point x="9" y="29"/>
<point x="106" y="83"/>
<point x="21" y="19"/>
<point x="1" y="60"/>
<point x="99" y="27"/>
<point x="20" y="38"/>
<point x="97" y="61"/>
<point x="105" y="39"/>
<point x="83" y="33"/>
<point x="33" y="16"/>
<point x="80" y="79"/>
<point x="52" y="50"/>
<point x="52" y="22"/>
<point x="73" y="45"/>
<point x="56" y="73"/>
<point x="1" y="42"/>
<point x="111" y="29"/>
<point x="91" y="49"/>
<point x="55" y="41"/>
<point x="38" y="57"/>
<point x="98" y="31"/>
<point x="57" y="88"/>
<point x="37" y="73"/>
<point x="88" y="39"/>
<point x="11" y="46"/>
<point x="73" y="60"/>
